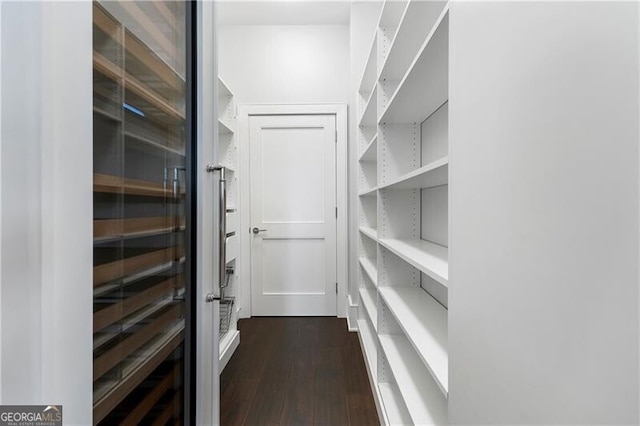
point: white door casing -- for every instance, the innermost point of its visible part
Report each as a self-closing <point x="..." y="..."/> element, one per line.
<point x="293" y="199"/>
<point x="206" y="278"/>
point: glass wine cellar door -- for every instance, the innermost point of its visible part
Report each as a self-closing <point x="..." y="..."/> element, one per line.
<point x="141" y="227"/>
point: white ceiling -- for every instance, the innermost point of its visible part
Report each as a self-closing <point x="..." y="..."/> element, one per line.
<point x="296" y="12"/>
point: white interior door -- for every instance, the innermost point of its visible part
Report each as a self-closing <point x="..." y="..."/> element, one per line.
<point x="293" y="219"/>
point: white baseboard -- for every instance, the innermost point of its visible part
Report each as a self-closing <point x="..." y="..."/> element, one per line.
<point x="352" y="315"/>
<point x="228" y="346"/>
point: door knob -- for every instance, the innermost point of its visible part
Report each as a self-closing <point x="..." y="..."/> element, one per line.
<point x="210" y="297"/>
<point x="257" y="230"/>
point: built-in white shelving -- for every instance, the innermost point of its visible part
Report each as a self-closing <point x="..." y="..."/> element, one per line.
<point x="424" y="322"/>
<point x="224" y="128"/>
<point x="227" y="157"/>
<point x="370" y="152"/>
<point x="425" y="85"/>
<point x="369" y="232"/>
<point x="425" y="403"/>
<point x="403" y="170"/>
<point x="368" y="192"/>
<point x="368" y="342"/>
<point x="394" y="407"/>
<point x="430" y="258"/>
<point x="416" y="21"/>
<point x="370" y="306"/>
<point x="434" y="174"/>
<point x="368" y="117"/>
<point x="368" y="80"/>
<point x="370" y="268"/>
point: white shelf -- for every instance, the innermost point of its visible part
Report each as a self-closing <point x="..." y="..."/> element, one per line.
<point x="368" y="117"/>
<point x="394" y="407"/>
<point x="424" y="322"/>
<point x="417" y="20"/>
<point x="425" y="403"/>
<point x="370" y="153"/>
<point x="369" y="345"/>
<point x="368" y="342"/>
<point x="424" y="87"/>
<point x="430" y="258"/>
<point x="223" y="89"/>
<point x="370" y="71"/>
<point x="224" y="128"/>
<point x="369" y="232"/>
<point x="433" y="174"/>
<point x="369" y="192"/>
<point x="392" y="12"/>
<point x="369" y="306"/>
<point x="370" y="268"/>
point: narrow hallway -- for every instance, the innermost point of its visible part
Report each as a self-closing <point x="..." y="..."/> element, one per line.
<point x="296" y="371"/>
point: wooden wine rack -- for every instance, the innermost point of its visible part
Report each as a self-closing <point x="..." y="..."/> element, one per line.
<point x="139" y="212"/>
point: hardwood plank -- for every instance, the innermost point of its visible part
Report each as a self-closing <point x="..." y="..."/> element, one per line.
<point x="255" y="360"/>
<point x="299" y="403"/>
<point x="318" y="389"/>
<point x="352" y="358"/>
<point x="361" y="410"/>
<point x="305" y="356"/>
<point x="330" y="406"/>
<point x="237" y="397"/>
<point x="266" y="408"/>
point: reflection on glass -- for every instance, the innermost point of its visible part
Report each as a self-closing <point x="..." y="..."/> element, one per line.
<point x="139" y="211"/>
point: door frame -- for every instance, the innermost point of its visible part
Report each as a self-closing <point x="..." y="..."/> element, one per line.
<point x="339" y="110"/>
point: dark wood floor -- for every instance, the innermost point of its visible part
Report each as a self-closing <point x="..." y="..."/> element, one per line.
<point x="296" y="371"/>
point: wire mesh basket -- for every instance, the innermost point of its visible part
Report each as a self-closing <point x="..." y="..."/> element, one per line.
<point x="226" y="311"/>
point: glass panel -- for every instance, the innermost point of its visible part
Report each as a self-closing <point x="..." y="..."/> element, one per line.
<point x="139" y="211"/>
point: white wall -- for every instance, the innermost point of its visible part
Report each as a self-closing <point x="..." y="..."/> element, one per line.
<point x="285" y="63"/>
<point x="21" y="236"/>
<point x="543" y="295"/>
<point x="46" y="262"/>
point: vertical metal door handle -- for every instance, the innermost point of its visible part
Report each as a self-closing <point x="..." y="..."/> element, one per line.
<point x="222" y="232"/>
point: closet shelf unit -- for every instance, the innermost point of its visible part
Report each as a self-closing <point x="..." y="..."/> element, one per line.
<point x="369" y="192"/>
<point x="370" y="305"/>
<point x="428" y="257"/>
<point x="371" y="150"/>
<point x="403" y="197"/>
<point x="369" y="232"/>
<point x="433" y="174"/>
<point x="370" y="269"/>
<point x="228" y="157"/>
